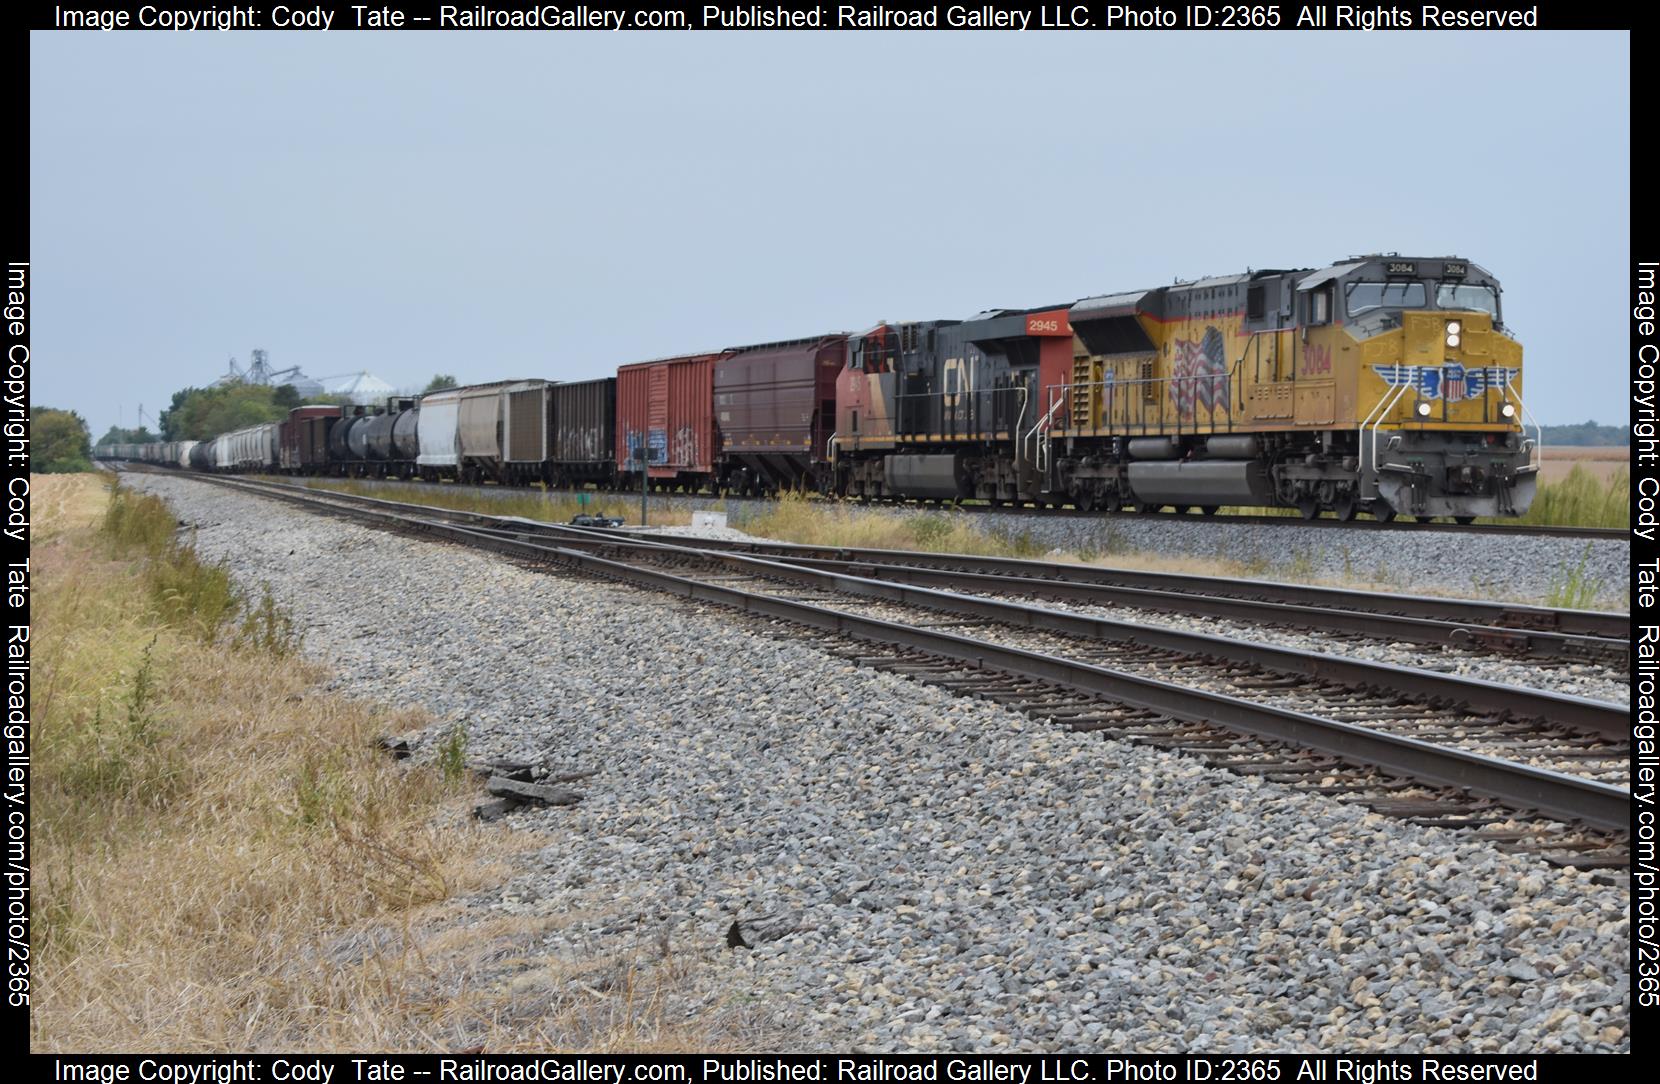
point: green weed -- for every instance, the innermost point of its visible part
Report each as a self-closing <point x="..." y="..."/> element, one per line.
<point x="1572" y="588"/>
<point x="452" y="755"/>
<point x="185" y="591"/>
<point x="1582" y="500"/>
<point x="121" y="754"/>
<point x="267" y="629"/>
<point x="321" y="793"/>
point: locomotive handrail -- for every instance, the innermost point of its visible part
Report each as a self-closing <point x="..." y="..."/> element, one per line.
<point x="1040" y="456"/>
<point x="1538" y="458"/>
<point x="1380" y="412"/>
<point x="1025" y="397"/>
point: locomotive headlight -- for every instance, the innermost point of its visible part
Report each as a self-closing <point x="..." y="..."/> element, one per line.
<point x="1452" y="340"/>
<point x="1454" y="327"/>
<point x="1508" y="410"/>
<point x="1423" y="410"/>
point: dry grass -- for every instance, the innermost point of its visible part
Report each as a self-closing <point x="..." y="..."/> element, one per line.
<point x="1601" y="463"/>
<point x="794" y="518"/>
<point x="224" y="862"/>
<point x="537" y="504"/>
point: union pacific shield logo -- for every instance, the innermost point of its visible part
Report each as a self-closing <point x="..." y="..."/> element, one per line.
<point x="1453" y="385"/>
<point x="1451" y="381"/>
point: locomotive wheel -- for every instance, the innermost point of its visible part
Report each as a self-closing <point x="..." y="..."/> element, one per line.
<point x="1345" y="508"/>
<point x="1085" y="501"/>
<point x="1308" y="507"/>
<point x="1424" y="519"/>
<point x="1210" y="509"/>
<point x="1383" y="513"/>
<point x="1112" y="502"/>
<point x="1464" y="521"/>
<point x="1149" y="508"/>
<point x="1183" y="509"/>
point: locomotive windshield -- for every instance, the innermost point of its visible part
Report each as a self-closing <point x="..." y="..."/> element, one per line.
<point x="1456" y="295"/>
<point x="1367" y="296"/>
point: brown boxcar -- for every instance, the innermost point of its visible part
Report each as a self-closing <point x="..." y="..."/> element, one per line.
<point x="299" y="447"/>
<point x="667" y="406"/>
<point x="775" y="405"/>
<point x="582" y="428"/>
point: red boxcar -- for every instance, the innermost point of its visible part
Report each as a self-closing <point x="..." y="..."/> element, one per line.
<point x="667" y="407"/>
<point x="775" y="406"/>
<point x="301" y="437"/>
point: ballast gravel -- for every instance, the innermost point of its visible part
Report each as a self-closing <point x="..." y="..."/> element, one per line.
<point x="916" y="871"/>
<point x="1515" y="567"/>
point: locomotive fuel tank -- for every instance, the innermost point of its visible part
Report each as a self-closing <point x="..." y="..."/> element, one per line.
<point x="1202" y="482"/>
<point x="932" y="477"/>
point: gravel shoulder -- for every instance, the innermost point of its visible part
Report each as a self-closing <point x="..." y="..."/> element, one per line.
<point x="916" y="871"/>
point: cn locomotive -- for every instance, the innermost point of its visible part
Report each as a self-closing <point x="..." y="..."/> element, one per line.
<point x="1383" y="384"/>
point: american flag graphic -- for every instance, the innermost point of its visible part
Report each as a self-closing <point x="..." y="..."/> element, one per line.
<point x="1201" y="374"/>
<point x="1453" y="387"/>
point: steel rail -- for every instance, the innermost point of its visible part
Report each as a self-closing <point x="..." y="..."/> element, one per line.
<point x="1555" y="794"/>
<point x="1598" y="717"/>
<point x="1498" y="616"/>
<point x="1597" y="623"/>
<point x="1374" y="625"/>
<point x="1580" y="713"/>
<point x="1542" y="530"/>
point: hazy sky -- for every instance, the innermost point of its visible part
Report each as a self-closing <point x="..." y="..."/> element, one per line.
<point x="551" y="204"/>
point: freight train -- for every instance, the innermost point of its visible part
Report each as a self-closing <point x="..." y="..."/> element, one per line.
<point x="1382" y="384"/>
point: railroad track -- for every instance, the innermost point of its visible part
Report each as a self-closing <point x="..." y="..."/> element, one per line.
<point x="1499" y="628"/>
<point x="1398" y="524"/>
<point x="1532" y="771"/>
<point x="1481" y="627"/>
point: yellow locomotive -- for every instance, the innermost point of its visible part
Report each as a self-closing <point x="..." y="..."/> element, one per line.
<point x="1384" y="384"/>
